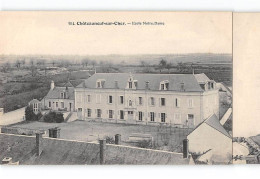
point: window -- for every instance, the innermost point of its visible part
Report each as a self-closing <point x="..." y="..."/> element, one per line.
<point x="152" y="101"/>
<point x="190" y="103"/>
<point x="49" y="104"/>
<point x="62" y="95"/>
<point x="190" y="121"/>
<point x="110" y="99"/>
<point x="57" y="104"/>
<point x="88" y="98"/>
<point x="62" y="104"/>
<point x="35" y="107"/>
<point x="163" y="116"/>
<point x="190" y="116"/>
<point x="89" y="112"/>
<point x="130" y="103"/>
<point x="110" y="112"/>
<point x="177" y="102"/>
<point x="162" y="86"/>
<point x="121" y="99"/>
<point x="130" y="84"/>
<point x="152" y="116"/>
<point x="98" y="84"/>
<point x="162" y="101"/>
<point x="140" y="114"/>
<point x="99" y="113"/>
<point x="121" y="114"/>
<point x="140" y="100"/>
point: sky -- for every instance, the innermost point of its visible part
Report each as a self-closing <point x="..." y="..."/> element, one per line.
<point x="48" y="33"/>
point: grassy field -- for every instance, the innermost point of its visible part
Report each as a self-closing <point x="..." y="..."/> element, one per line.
<point x="165" y="138"/>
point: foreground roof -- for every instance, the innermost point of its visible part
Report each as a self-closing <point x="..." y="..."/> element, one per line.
<point x="66" y="152"/>
<point x="190" y="81"/>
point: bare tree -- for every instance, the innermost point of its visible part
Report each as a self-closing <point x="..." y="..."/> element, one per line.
<point x="6" y="66"/>
<point x="18" y="64"/>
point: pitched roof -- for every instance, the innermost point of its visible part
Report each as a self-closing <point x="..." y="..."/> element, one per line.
<point x="201" y="78"/>
<point x="190" y="81"/>
<point x="34" y="101"/>
<point x="55" y="93"/>
<point x="66" y="152"/>
<point x="213" y="122"/>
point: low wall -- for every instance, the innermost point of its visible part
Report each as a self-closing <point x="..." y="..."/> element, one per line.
<point x="21" y="131"/>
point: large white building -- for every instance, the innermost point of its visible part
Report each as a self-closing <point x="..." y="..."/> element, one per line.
<point x="176" y="99"/>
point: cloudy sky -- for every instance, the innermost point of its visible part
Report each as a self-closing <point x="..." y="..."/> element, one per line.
<point x="49" y="33"/>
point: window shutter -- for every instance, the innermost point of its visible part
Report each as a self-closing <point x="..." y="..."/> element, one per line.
<point x="95" y="111"/>
<point x="148" y="114"/>
<point x="155" y="114"/>
<point x="113" y="112"/>
<point x="159" y="101"/>
<point x="143" y="114"/>
<point x="165" y="115"/>
<point x="159" y="115"/>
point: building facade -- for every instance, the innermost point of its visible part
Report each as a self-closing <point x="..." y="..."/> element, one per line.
<point x="59" y="98"/>
<point x="177" y="99"/>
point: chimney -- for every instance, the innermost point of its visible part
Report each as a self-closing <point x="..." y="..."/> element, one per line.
<point x="7" y="161"/>
<point x="182" y="87"/>
<point x="185" y="148"/>
<point x="116" y="85"/>
<point x="39" y="144"/>
<point x="54" y="132"/>
<point x="52" y="85"/>
<point x="117" y="139"/>
<point x="102" y="146"/>
<point x="147" y="85"/>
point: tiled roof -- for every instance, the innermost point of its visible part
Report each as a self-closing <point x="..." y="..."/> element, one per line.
<point x="56" y="93"/>
<point x="175" y="80"/>
<point x="66" y="152"/>
<point x="201" y="78"/>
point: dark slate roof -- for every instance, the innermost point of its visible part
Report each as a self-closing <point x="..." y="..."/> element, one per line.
<point x="201" y="78"/>
<point x="34" y="101"/>
<point x="213" y="122"/>
<point x="55" y="93"/>
<point x="66" y="152"/>
<point x="175" y="80"/>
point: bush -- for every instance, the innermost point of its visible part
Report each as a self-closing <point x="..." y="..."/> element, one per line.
<point x="29" y="114"/>
<point x="110" y="140"/>
<point x="54" y="117"/>
<point x="144" y="144"/>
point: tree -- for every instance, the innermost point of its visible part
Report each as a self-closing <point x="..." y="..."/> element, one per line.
<point x="29" y="114"/>
<point x="6" y="67"/>
<point x="162" y="63"/>
<point x="18" y="64"/>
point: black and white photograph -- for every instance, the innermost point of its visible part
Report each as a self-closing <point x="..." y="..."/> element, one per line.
<point x="116" y="88"/>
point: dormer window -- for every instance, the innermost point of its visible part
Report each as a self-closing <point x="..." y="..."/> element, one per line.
<point x="164" y="85"/>
<point x="130" y="83"/>
<point x="100" y="83"/>
<point x="62" y="95"/>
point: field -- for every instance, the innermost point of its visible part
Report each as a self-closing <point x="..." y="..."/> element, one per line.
<point x="165" y="138"/>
